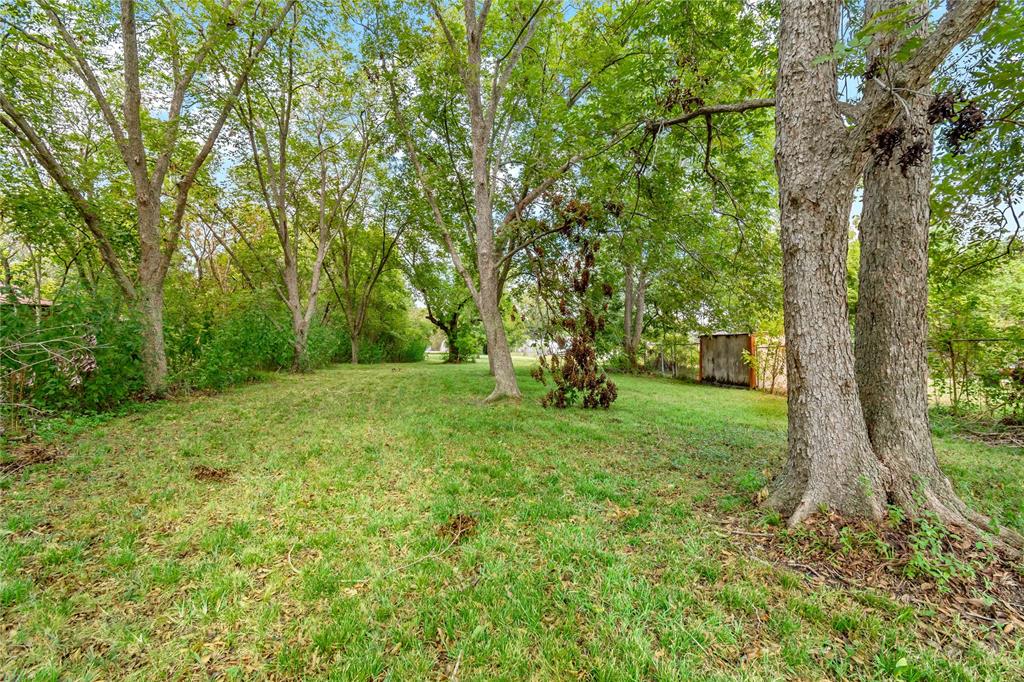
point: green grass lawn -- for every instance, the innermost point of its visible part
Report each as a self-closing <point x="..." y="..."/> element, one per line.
<point x="327" y="549"/>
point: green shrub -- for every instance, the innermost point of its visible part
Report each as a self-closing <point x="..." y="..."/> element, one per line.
<point x="247" y="339"/>
<point x="83" y="354"/>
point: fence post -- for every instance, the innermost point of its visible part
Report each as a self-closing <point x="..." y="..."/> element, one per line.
<point x="752" y="350"/>
<point x="700" y="359"/>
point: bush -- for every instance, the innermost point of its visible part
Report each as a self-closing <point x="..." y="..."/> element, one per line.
<point x="216" y="341"/>
<point x="395" y="336"/>
<point x="251" y="337"/>
<point x="84" y="354"/>
<point x="469" y="341"/>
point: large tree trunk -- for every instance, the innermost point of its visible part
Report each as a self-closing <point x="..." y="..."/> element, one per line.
<point x="489" y="340"/>
<point x="499" y="353"/>
<point x="830" y="462"/>
<point x="149" y="297"/>
<point x="354" y="347"/>
<point x="858" y="431"/>
<point x="891" y="330"/>
<point x="454" y="355"/>
<point x="451" y="332"/>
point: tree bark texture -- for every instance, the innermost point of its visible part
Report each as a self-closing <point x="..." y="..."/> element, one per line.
<point x="830" y="462"/>
<point x="154" y="357"/>
<point x="858" y="431"/>
<point x="891" y="326"/>
<point x="149" y="295"/>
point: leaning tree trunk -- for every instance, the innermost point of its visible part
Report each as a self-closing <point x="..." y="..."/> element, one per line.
<point x="499" y="354"/>
<point x="891" y="331"/>
<point x="830" y="462"/>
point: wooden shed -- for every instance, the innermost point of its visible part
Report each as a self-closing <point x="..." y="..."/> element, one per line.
<point x="722" y="361"/>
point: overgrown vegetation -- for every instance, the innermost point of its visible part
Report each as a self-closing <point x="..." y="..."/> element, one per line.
<point x="197" y="195"/>
<point x="84" y="355"/>
<point x="578" y="308"/>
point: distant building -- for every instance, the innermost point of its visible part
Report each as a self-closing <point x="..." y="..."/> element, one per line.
<point x="15" y="297"/>
<point x="535" y="348"/>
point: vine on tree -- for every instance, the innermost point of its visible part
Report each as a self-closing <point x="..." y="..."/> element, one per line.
<point x="580" y="315"/>
<point x="964" y="122"/>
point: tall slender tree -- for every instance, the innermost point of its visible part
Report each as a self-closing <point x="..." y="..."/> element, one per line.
<point x="308" y="154"/>
<point x="364" y="252"/>
<point x="505" y="153"/>
<point x="160" y="159"/>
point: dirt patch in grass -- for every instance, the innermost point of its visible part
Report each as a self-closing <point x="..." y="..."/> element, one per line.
<point x="944" y="571"/>
<point x="201" y="472"/>
<point x="458" y="527"/>
<point x="27" y="454"/>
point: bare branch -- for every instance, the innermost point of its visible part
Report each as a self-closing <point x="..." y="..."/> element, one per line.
<point x="186" y="182"/>
<point x="735" y="107"/>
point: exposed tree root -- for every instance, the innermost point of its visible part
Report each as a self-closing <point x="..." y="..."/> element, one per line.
<point x="915" y="502"/>
<point x="500" y="394"/>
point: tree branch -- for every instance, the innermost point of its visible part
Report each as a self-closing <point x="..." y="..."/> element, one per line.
<point x="23" y="131"/>
<point x="186" y="182"/>
<point x="735" y="107"/>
